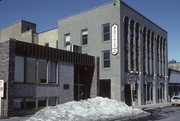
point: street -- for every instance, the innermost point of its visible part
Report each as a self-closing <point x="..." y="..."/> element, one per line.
<point x="163" y="114"/>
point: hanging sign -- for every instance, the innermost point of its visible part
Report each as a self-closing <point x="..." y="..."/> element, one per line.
<point x="114" y="39"/>
<point x="1" y="88"/>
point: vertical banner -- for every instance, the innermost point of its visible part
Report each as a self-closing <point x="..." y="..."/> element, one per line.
<point x="115" y="40"/>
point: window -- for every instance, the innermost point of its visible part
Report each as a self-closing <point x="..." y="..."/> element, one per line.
<point x="56" y="43"/>
<point x="19" y="69"/>
<point x="46" y="44"/>
<point x="42" y="102"/>
<point x="52" y="72"/>
<point x="30" y="103"/>
<point x="84" y="37"/>
<point x="67" y="40"/>
<point x="18" y="104"/>
<point x="52" y="101"/>
<point x="106" y="32"/>
<point x="106" y="59"/>
<point x="30" y="70"/>
<point x="42" y="71"/>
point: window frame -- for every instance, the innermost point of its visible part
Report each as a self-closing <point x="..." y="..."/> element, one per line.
<point x="106" y="60"/>
<point x="82" y="38"/>
<point x="106" y="33"/>
<point x="66" y="43"/>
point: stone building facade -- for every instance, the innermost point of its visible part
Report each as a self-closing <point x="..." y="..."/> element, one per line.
<point x="37" y="76"/>
<point x="140" y="46"/>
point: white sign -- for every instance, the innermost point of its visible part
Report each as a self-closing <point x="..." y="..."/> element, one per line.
<point x="115" y="39"/>
<point x="1" y="88"/>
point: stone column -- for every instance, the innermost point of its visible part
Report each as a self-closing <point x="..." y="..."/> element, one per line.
<point x="141" y="71"/>
<point x="134" y="47"/>
<point x="160" y="56"/>
<point x="150" y="53"/>
<point x="155" y="91"/>
<point x="166" y="90"/>
<point x="146" y="48"/>
<point x="129" y="46"/>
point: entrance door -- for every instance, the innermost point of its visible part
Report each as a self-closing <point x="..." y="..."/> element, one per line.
<point x="105" y="88"/>
<point x="79" y="92"/>
<point x="128" y="94"/>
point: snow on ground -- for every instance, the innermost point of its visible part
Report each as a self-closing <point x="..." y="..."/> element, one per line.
<point x="101" y="109"/>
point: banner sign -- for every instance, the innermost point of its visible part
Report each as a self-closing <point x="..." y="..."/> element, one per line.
<point x="115" y="39"/>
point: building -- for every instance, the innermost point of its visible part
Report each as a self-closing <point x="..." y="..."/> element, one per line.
<point x="37" y="76"/>
<point x="130" y="50"/>
<point x="116" y="52"/>
<point x="21" y="30"/>
<point x="174" y="65"/>
<point x="49" y="38"/>
<point x="174" y="83"/>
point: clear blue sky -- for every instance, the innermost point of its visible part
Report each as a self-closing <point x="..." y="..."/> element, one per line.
<point x="45" y="13"/>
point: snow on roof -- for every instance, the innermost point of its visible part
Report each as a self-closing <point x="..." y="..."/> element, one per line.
<point x="87" y="110"/>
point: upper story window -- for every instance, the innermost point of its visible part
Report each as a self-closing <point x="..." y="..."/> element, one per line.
<point x="106" y="32"/>
<point x="67" y="39"/>
<point x="106" y="59"/>
<point x="84" y="37"/>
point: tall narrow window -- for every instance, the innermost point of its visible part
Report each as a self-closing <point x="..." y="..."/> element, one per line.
<point x="84" y="37"/>
<point x="106" y="59"/>
<point x="19" y="69"/>
<point x="52" y="72"/>
<point x="56" y="43"/>
<point x="106" y="32"/>
<point x="126" y="43"/>
<point x="67" y="39"/>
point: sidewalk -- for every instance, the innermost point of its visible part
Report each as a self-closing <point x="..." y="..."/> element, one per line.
<point x="153" y="106"/>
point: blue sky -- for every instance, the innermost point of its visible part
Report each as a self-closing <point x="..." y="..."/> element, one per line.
<point x="45" y="13"/>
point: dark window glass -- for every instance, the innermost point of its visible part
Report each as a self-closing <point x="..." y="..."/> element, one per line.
<point x="46" y="44"/>
<point x="18" y="104"/>
<point x="84" y="37"/>
<point x="106" y="59"/>
<point x="106" y="32"/>
<point x="52" y="72"/>
<point x="56" y="43"/>
<point x="41" y="102"/>
<point x="30" y="103"/>
<point x="52" y="101"/>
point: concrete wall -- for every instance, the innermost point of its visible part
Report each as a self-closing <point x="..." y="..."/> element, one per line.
<point x="50" y="37"/>
<point x="22" y="30"/>
<point x="93" y="20"/>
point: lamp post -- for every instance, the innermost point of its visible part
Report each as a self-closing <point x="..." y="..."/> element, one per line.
<point x="132" y="79"/>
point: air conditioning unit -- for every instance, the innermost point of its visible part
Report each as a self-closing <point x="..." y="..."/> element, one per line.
<point x="74" y="48"/>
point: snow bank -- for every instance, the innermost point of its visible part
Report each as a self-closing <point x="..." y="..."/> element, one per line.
<point x="86" y="110"/>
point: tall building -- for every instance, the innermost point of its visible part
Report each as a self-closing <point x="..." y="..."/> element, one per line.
<point x="116" y="52"/>
<point x="130" y="50"/>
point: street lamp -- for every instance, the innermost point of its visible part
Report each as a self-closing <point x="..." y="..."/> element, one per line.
<point x="132" y="78"/>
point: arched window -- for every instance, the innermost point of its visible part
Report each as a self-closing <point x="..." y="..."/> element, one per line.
<point x="126" y="19"/>
<point x="144" y="49"/>
<point x="131" y="43"/>
<point x="137" y="45"/>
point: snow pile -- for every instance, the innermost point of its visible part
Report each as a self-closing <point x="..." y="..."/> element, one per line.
<point x="86" y="110"/>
